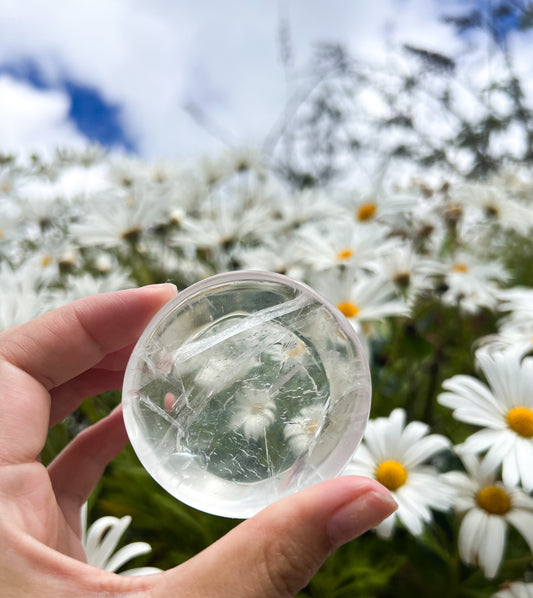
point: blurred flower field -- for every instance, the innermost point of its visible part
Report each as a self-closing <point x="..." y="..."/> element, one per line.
<point x="435" y="274"/>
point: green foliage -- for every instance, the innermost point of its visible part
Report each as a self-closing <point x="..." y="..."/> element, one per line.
<point x="412" y="357"/>
<point x="175" y="531"/>
<point x="517" y="253"/>
<point x="361" y="568"/>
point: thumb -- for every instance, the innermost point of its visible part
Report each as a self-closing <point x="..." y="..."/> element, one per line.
<point x="277" y="552"/>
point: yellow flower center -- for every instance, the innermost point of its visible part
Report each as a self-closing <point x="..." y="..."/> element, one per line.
<point x="350" y="310"/>
<point x="520" y="420"/>
<point x="256" y="409"/>
<point x="460" y="267"/>
<point x="391" y="474"/>
<point x="312" y="427"/>
<point x="344" y="254"/>
<point x="46" y="260"/>
<point x="366" y="211"/>
<point x="298" y="350"/>
<point x="494" y="500"/>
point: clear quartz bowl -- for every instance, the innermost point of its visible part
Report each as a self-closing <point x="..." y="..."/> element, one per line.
<point x="244" y="388"/>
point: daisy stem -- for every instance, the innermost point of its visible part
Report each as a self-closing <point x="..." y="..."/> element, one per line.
<point x="433" y="371"/>
<point x="453" y="581"/>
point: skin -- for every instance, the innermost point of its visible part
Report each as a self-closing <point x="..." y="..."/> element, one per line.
<point x="47" y="367"/>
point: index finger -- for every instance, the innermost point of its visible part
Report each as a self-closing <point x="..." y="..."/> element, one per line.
<point x="67" y="341"/>
<point x="52" y="349"/>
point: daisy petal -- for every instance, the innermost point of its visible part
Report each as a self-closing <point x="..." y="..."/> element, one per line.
<point x="424" y="449"/>
<point x="127" y="553"/>
<point x="102" y="538"/>
<point x="112" y="538"/>
<point x="467" y="391"/>
<point x="411" y="511"/>
<point x="470" y="535"/>
<point x="140" y="571"/>
<point x="375" y="441"/>
<point x="502" y="370"/>
<point x="497" y="453"/>
<point x="492" y="545"/>
<point x="433" y="487"/>
<point x="480" y="441"/>
<point x="524" y="458"/>
<point x="386" y="528"/>
<point x="510" y="471"/>
<point x="412" y="433"/>
<point x="523" y="522"/>
<point x="396" y="423"/>
<point x="363" y="457"/>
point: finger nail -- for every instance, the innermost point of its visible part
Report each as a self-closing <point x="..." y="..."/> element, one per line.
<point x="358" y="516"/>
<point x="163" y="285"/>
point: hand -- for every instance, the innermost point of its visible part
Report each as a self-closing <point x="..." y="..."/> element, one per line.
<point x="47" y="367"/>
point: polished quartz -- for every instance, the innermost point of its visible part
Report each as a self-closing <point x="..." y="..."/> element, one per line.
<point x="246" y="387"/>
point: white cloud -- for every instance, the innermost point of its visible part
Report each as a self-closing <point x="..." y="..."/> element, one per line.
<point x="34" y="120"/>
<point x="153" y="58"/>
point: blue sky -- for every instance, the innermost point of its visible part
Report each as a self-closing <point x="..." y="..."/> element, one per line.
<point x="98" y="120"/>
<point x="123" y="73"/>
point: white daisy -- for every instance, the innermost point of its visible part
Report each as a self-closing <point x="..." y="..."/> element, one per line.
<point x="218" y="229"/>
<point x="126" y="170"/>
<point x="43" y="203"/>
<point x="489" y="507"/>
<point x="232" y="163"/>
<point x="273" y="255"/>
<point x="115" y="219"/>
<point x="504" y="409"/>
<point x="77" y="287"/>
<point x="254" y="412"/>
<point x="517" y="589"/>
<point x="11" y="219"/>
<point x="102" y="538"/>
<point x="361" y="298"/>
<point x="301" y="430"/>
<point x="394" y="454"/>
<point x="52" y="259"/>
<point x="407" y="270"/>
<point x="291" y="212"/>
<point x="496" y="204"/>
<point x="471" y="282"/>
<point x="213" y="369"/>
<point x="464" y="264"/>
<point x="22" y="298"/>
<point x="518" y="303"/>
<point x="510" y="335"/>
<point x="242" y="159"/>
<point x="381" y="205"/>
<point x="168" y="263"/>
<point x="323" y="247"/>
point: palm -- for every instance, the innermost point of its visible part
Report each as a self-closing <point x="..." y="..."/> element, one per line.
<point x="52" y="527"/>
